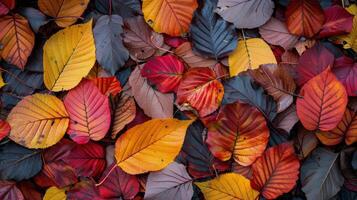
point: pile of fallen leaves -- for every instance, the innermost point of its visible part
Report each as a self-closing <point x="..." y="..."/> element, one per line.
<point x="178" y="99"/>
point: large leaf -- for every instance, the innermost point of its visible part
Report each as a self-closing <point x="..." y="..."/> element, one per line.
<point x="117" y="183"/>
<point x="338" y="22"/>
<point x="141" y="41"/>
<point x="276" y="172"/>
<point x="38" y="121"/>
<point x="249" y="54"/>
<point x="89" y="113"/>
<point x="164" y="73"/>
<point x="68" y="56"/>
<point x="243" y="89"/>
<point x="320" y="176"/>
<point x="124" y="8"/>
<point x="18" y="163"/>
<point x="54" y="193"/>
<point x="245" y="13"/>
<point x="275" y="32"/>
<point x="8" y="190"/>
<point x="55" y="171"/>
<point x="184" y="51"/>
<point x="154" y="103"/>
<point x="277" y="81"/>
<point x="110" y="51"/>
<point x="195" y="153"/>
<point x="88" y="160"/>
<point x="17" y="40"/>
<point x="346" y="130"/>
<point x="346" y="72"/>
<point x="157" y="143"/>
<point x="323" y="102"/>
<point x="239" y="132"/>
<point x="304" y="17"/>
<point x="212" y="36"/>
<point x="228" y="186"/>
<point x="124" y="110"/>
<point x="312" y="62"/>
<point x="65" y="12"/>
<point x="170" y="17"/>
<point x="200" y="90"/>
<point x="173" y="182"/>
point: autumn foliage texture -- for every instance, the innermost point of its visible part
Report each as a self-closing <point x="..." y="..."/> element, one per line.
<point x="178" y="99"/>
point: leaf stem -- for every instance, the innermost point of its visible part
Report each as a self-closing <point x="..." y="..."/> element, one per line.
<point x="106" y="176"/>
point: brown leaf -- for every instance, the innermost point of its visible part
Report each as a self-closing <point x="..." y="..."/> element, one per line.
<point x="305" y="142"/>
<point x="278" y="83"/>
<point x="286" y="119"/>
<point x="124" y="110"/>
<point x="184" y="51"/>
<point x="140" y="40"/>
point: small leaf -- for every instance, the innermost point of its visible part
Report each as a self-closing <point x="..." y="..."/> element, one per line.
<point x="9" y="190"/>
<point x="346" y="71"/>
<point x="173" y="182"/>
<point x="276" y="172"/>
<point x="323" y="104"/>
<point x="38" y="121"/>
<point x="54" y="193"/>
<point x="200" y="90"/>
<point x="124" y="112"/>
<point x="68" y="56"/>
<point x="4" y="129"/>
<point x="249" y="54"/>
<point x="158" y="142"/>
<point x="228" y="186"/>
<point x="170" y="17"/>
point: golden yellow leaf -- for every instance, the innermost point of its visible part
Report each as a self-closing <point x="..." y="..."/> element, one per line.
<point x="170" y="17"/>
<point x="68" y="56"/>
<point x="38" y="121"/>
<point x="65" y="12"/>
<point x="228" y="186"/>
<point x="54" y="193"/>
<point x="351" y="38"/>
<point x="249" y="54"/>
<point x="150" y="146"/>
<point x="2" y="83"/>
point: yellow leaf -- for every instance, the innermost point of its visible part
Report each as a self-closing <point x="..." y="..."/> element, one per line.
<point x="228" y="186"/>
<point x="38" y="121"/>
<point x="68" y="56"/>
<point x="2" y="83"/>
<point x="150" y="146"/>
<point x="351" y="38"/>
<point x="65" y="12"/>
<point x="249" y="54"/>
<point x="54" y="193"/>
<point x="170" y="17"/>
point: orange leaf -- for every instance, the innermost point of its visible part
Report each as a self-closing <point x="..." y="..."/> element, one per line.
<point x="123" y="113"/>
<point x="65" y="12"/>
<point x="88" y="111"/>
<point x="170" y="17"/>
<point x="241" y="133"/>
<point x="346" y="129"/>
<point x="200" y="90"/>
<point x="304" y="17"/>
<point x="107" y="85"/>
<point x="276" y="172"/>
<point x="324" y="102"/>
<point x="17" y="40"/>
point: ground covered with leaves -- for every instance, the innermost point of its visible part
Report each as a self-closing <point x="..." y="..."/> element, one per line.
<point x="178" y="99"/>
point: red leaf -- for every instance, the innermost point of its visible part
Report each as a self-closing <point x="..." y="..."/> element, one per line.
<point x="242" y="133"/>
<point x="304" y="17"/>
<point x="116" y="183"/>
<point x="84" y="190"/>
<point x="55" y="171"/>
<point x="89" y="113"/>
<point x="276" y="172"/>
<point x="4" y="129"/>
<point x="173" y="41"/>
<point x="338" y="22"/>
<point x="29" y="190"/>
<point x="346" y="72"/>
<point x="164" y="72"/>
<point x="9" y="191"/>
<point x="6" y="6"/>
<point x="200" y="90"/>
<point x="312" y="62"/>
<point x="88" y="160"/>
<point x="324" y="102"/>
<point x="107" y="85"/>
